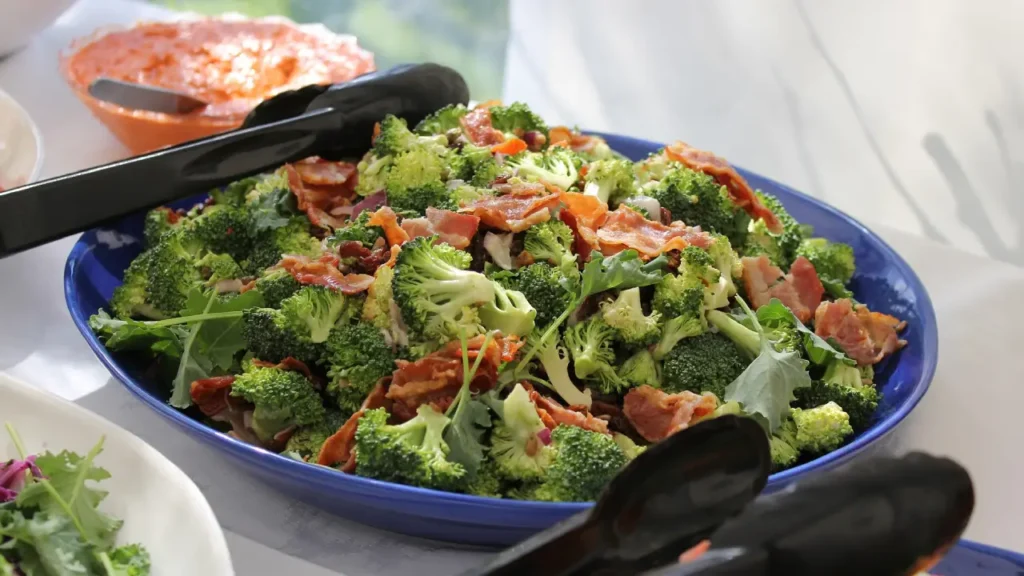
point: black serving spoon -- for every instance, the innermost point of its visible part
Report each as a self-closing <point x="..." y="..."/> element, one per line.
<point x="669" y="498"/>
<point x="333" y="121"/>
<point x="883" y="517"/>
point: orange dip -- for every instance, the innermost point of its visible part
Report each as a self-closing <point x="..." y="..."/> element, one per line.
<point x="232" y="65"/>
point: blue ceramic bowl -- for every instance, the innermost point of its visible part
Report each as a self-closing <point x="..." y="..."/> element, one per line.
<point x="973" y="559"/>
<point x="884" y="282"/>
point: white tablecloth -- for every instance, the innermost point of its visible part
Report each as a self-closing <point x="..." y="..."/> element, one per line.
<point x="970" y="413"/>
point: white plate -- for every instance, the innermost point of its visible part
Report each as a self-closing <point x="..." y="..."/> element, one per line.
<point x="21" y="146"/>
<point x="161" y="507"/>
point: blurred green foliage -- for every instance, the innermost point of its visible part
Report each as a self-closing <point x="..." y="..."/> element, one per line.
<point x="468" y="35"/>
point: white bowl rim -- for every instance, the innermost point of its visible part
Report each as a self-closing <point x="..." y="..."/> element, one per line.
<point x="37" y="135"/>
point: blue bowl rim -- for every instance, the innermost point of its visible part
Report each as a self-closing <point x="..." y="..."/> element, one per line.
<point x="323" y="475"/>
<point x="993" y="551"/>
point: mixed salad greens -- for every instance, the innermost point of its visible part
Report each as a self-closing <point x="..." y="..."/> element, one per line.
<point x="487" y="305"/>
<point x="50" y="524"/>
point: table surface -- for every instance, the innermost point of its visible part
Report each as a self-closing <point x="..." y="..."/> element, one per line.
<point x="970" y="413"/>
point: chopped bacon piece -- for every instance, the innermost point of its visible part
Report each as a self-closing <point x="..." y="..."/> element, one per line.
<point x="452" y="228"/>
<point x="589" y="211"/>
<point x="386" y="218"/>
<point x="563" y="136"/>
<point x="626" y="228"/>
<point x="552" y="414"/>
<point x="488" y="104"/>
<point x="514" y="212"/>
<point x="250" y="285"/>
<point x="800" y="290"/>
<point x="509" y="147"/>
<point x="581" y="245"/>
<point x="478" y="128"/>
<point x="716" y="167"/>
<point x="324" y="272"/>
<point x="657" y="415"/>
<point x="395" y="249"/>
<point x="865" y="336"/>
<point x="337" y="450"/>
<point x="210" y="395"/>
<point x="289" y="363"/>
<point x="438" y="376"/>
<point x="323" y="189"/>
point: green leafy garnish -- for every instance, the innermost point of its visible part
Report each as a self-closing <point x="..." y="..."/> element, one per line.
<point x="766" y="386"/>
<point x="470" y="417"/>
<point x="776" y="314"/>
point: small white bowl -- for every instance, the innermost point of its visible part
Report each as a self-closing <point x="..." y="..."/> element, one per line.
<point x="161" y="507"/>
<point x="20" y="20"/>
<point x="21" y="146"/>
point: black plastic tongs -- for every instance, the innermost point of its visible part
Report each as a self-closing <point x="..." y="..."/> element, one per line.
<point x="695" y="492"/>
<point x="332" y="122"/>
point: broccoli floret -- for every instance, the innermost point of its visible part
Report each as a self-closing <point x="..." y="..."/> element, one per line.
<point x="475" y="165"/>
<point x="833" y="261"/>
<point x="555" y="361"/>
<point x="413" y="453"/>
<point x="584" y="463"/>
<point x="235" y="193"/>
<point x="629" y="448"/>
<point x="313" y="311"/>
<point x="357" y="230"/>
<point x="357" y="356"/>
<point x="516" y="118"/>
<point x="486" y="483"/>
<point x="440" y="122"/>
<point x="377" y="309"/>
<point x="271" y="244"/>
<point x="550" y="241"/>
<point x="519" y="455"/>
<point x="782" y="445"/>
<point x="158" y="221"/>
<point x="821" y="429"/>
<point x="590" y="343"/>
<point x="396" y="138"/>
<point x="129" y="560"/>
<point x="784" y="338"/>
<point x="611" y="181"/>
<point x="307" y="440"/>
<point x="268" y="335"/>
<point x="275" y="285"/>
<point x="224" y="230"/>
<point x="698" y="200"/>
<point x="779" y="248"/>
<point x="510" y="312"/>
<point x="704" y="363"/>
<point x="679" y="298"/>
<point x="638" y="209"/>
<point x="373" y="173"/>
<point x="217" y="267"/>
<point x="432" y="287"/>
<point x="858" y="401"/>
<point x="172" y="271"/>
<point x="282" y="398"/>
<point x="641" y="368"/>
<point x="626" y="316"/>
<point x="654" y="168"/>
<point x="416" y="181"/>
<point x="129" y="299"/>
<point x="727" y="262"/>
<point x="543" y="285"/>
<point x="271" y="184"/>
<point x="556" y="166"/>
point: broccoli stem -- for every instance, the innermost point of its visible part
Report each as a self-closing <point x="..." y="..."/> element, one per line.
<point x="195" y="318"/>
<point x="547" y="334"/>
<point x="744" y="337"/>
<point x="455" y="409"/>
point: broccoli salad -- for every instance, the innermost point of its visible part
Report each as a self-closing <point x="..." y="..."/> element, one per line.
<point x="49" y="521"/>
<point x="488" y="305"/>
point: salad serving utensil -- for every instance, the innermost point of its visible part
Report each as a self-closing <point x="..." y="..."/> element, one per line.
<point x="143" y="97"/>
<point x="333" y="121"/>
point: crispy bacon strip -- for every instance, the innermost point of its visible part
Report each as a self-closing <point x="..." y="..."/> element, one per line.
<point x="324" y="272"/>
<point x="563" y="136"/>
<point x="210" y="395"/>
<point x="552" y="414"/>
<point x="865" y="336"/>
<point x="739" y="191"/>
<point x="515" y="211"/>
<point x="437" y="378"/>
<point x="366" y="261"/>
<point x="509" y="147"/>
<point x="386" y="218"/>
<point x="626" y="228"/>
<point x="800" y="290"/>
<point x="339" y="449"/>
<point x="657" y="415"/>
<point x="323" y="189"/>
<point x="452" y="228"/>
<point x="478" y="128"/>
